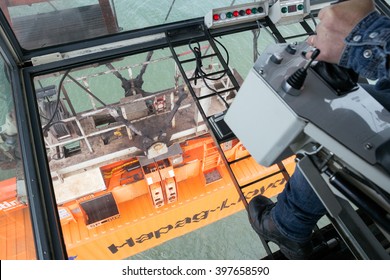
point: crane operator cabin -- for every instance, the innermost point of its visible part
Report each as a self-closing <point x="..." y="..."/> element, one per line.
<point x="124" y="126"/>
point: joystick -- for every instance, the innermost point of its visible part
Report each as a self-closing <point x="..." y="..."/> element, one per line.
<point x="295" y="82"/>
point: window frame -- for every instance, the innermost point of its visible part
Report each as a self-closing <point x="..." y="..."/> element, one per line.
<point x="44" y="216"/>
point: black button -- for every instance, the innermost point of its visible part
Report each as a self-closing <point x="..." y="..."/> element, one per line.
<point x="291" y="49"/>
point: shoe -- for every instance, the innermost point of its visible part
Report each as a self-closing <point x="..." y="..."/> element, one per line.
<point x="260" y="218"/>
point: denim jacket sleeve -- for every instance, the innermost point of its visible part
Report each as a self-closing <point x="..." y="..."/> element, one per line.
<point x="368" y="47"/>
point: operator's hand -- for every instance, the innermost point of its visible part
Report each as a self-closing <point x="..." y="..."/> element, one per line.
<point x="336" y="22"/>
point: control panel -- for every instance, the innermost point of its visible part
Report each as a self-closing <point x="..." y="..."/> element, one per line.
<point x="289" y="11"/>
<point x="284" y="92"/>
<point x="225" y="16"/>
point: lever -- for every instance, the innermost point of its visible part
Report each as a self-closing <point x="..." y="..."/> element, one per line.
<point x="295" y="82"/>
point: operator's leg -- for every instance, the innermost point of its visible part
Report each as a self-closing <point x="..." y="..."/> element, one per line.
<point x="289" y="222"/>
<point x="298" y="209"/>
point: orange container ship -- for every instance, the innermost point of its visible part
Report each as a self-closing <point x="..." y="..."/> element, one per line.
<point x="116" y="200"/>
<point x="144" y="203"/>
<point x="102" y="158"/>
<point x="131" y="169"/>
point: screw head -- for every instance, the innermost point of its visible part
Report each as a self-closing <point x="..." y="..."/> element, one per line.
<point x="368" y="146"/>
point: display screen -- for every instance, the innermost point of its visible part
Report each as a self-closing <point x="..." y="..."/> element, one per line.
<point x="292" y="8"/>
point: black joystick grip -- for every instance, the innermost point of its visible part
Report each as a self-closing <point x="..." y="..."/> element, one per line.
<point x="297" y="79"/>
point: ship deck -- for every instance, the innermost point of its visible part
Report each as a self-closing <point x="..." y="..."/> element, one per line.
<point x="200" y="202"/>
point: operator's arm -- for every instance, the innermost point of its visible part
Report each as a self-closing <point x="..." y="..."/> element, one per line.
<point x="367" y="49"/>
<point x="353" y="35"/>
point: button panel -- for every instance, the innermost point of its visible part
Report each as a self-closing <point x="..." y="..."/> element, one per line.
<point x="236" y="14"/>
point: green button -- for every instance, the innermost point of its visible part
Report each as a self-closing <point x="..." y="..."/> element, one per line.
<point x="284" y="10"/>
<point x="300" y="7"/>
<point x="229" y="15"/>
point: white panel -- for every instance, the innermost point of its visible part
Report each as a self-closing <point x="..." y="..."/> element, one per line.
<point x="261" y="120"/>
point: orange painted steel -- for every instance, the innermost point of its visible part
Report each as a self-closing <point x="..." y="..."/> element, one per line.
<point x="192" y="198"/>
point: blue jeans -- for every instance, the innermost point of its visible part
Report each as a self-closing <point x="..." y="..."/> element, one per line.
<point x="298" y="208"/>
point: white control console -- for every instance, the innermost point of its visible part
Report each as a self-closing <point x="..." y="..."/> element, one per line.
<point x="274" y="122"/>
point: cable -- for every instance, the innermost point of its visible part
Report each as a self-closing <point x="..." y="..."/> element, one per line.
<point x="199" y="71"/>
<point x="39" y="109"/>
<point x="369" y="184"/>
<point x="48" y="125"/>
<point x="169" y="11"/>
<point x="227" y="54"/>
<point x="199" y="65"/>
<point x="256" y="38"/>
<point x="260" y="25"/>
<point x="54" y="123"/>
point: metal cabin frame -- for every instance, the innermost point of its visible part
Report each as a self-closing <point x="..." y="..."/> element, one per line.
<point x="44" y="215"/>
